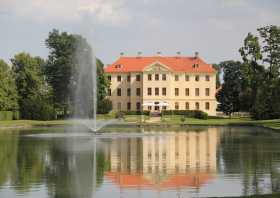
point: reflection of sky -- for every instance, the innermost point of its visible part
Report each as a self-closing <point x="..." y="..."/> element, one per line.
<point x="37" y="191"/>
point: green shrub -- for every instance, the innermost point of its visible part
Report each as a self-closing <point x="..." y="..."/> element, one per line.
<point x="120" y="115"/>
<point x="147" y="113"/>
<point x="187" y="113"/>
<point x="183" y="119"/>
<point x="6" y="115"/>
<point x="200" y="115"/>
<point x="37" y="110"/>
<point x="16" y="115"/>
<point x="104" y="106"/>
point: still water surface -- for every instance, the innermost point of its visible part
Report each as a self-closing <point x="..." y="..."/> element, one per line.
<point x="146" y="162"/>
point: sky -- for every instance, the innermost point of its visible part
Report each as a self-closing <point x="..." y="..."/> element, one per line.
<point x="214" y="28"/>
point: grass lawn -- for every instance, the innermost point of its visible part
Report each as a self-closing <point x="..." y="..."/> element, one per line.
<point x="175" y="119"/>
<point x="28" y="123"/>
<point x="169" y="120"/>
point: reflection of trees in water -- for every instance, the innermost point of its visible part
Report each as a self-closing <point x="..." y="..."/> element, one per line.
<point x="252" y="153"/>
<point x="8" y="154"/>
<point x="30" y="163"/>
<point x="70" y="173"/>
<point x="26" y="162"/>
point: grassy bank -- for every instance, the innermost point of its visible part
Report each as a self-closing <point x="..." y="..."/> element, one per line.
<point x="273" y="124"/>
<point x="166" y="120"/>
<point x="176" y="120"/>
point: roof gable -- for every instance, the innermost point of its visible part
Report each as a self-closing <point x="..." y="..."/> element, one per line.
<point x="157" y="67"/>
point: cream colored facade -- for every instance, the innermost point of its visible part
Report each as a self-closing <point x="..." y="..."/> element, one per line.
<point x="184" y="91"/>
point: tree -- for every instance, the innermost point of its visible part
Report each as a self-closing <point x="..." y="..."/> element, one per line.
<point x="229" y="94"/>
<point x="261" y="71"/>
<point x="34" y="93"/>
<point x="103" y="105"/>
<point x="69" y="70"/>
<point x="218" y="69"/>
<point x="271" y="49"/>
<point x="8" y="91"/>
<point x="60" y="66"/>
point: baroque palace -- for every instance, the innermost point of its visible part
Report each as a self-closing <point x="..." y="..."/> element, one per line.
<point x="162" y="83"/>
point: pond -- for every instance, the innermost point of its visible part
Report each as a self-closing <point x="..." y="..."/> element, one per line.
<point x="139" y="162"/>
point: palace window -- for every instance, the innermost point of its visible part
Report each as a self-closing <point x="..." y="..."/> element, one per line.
<point x="197" y="105"/>
<point x="149" y="108"/>
<point x="119" y="78"/>
<point x="119" y="92"/>
<point x="109" y="78"/>
<point x="128" y="106"/>
<point x="149" y="77"/>
<point x="128" y="92"/>
<point x="109" y="92"/>
<point x="163" y="91"/>
<point x="128" y="78"/>
<point x="176" y="91"/>
<point x="196" y="91"/>
<point x="176" y="78"/>
<point x="187" y="91"/>
<point x="164" y="77"/>
<point x="149" y="91"/>
<point x="207" y="105"/>
<point x="187" y="78"/>
<point x="138" y="77"/>
<point x="138" y="106"/>
<point x="207" y="78"/>
<point x="187" y="106"/>
<point x="156" y="76"/>
<point x="197" y="78"/>
<point x="176" y="105"/>
<point x="207" y="92"/>
<point x="156" y="91"/>
<point x="138" y="91"/>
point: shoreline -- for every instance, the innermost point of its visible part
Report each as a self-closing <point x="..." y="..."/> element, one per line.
<point x="266" y="124"/>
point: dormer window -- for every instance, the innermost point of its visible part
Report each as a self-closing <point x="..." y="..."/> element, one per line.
<point x="118" y="66"/>
<point x="195" y="65"/>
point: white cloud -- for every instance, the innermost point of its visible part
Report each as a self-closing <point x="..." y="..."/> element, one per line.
<point x="101" y="11"/>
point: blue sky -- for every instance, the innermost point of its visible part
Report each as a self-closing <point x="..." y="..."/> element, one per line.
<point x="215" y="28"/>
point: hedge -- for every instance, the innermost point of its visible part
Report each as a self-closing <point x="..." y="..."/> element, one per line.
<point x="9" y="115"/>
<point x="136" y="112"/>
<point x="187" y="113"/>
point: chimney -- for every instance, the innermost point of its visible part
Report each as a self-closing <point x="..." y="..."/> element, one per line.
<point x="178" y="55"/>
<point x="121" y="54"/>
<point x="196" y="54"/>
<point x="139" y="54"/>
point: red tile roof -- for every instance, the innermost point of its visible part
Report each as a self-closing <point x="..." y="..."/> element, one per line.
<point x="127" y="180"/>
<point x="177" y="64"/>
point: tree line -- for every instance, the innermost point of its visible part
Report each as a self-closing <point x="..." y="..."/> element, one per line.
<point x="43" y="89"/>
<point x="253" y="84"/>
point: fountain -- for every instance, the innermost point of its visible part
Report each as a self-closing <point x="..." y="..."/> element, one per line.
<point x="85" y="94"/>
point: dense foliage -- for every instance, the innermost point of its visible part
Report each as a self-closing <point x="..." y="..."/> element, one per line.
<point x="34" y="94"/>
<point x="254" y="84"/>
<point x="187" y="113"/>
<point x="8" y="91"/>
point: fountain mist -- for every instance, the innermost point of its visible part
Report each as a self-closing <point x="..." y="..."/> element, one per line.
<point x="85" y="96"/>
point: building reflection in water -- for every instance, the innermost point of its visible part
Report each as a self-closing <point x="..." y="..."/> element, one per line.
<point x="174" y="160"/>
